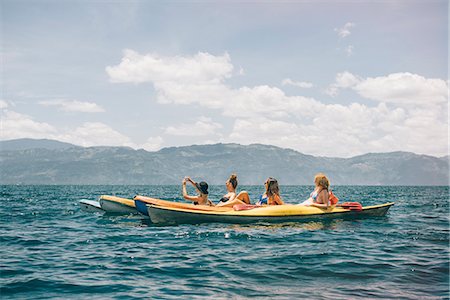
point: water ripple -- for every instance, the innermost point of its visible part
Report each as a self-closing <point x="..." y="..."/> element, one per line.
<point x="52" y="249"/>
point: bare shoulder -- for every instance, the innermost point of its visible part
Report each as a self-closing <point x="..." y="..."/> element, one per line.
<point x="323" y="195"/>
<point x="324" y="192"/>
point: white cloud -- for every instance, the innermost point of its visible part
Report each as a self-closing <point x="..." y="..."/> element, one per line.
<point x="343" y="80"/>
<point x="95" y="134"/>
<point x="403" y="88"/>
<point x="204" y="85"/>
<point x="398" y="88"/>
<point x="349" y="50"/>
<point x="301" y="84"/>
<point x="346" y="80"/>
<point x="153" y="143"/>
<point x="345" y="30"/>
<point x="346" y="131"/>
<point x="14" y="125"/>
<point x="208" y="94"/>
<point x="73" y="105"/>
<point x="261" y="130"/>
<point x="268" y="101"/>
<point x="203" y="127"/>
<point x="264" y="114"/>
<point x="200" y="68"/>
<point x="3" y="104"/>
<point x="181" y="80"/>
<point x="332" y="90"/>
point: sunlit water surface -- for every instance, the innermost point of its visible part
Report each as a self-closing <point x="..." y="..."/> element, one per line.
<point x="50" y="248"/>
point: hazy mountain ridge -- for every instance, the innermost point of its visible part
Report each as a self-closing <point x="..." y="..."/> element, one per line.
<point x="25" y="144"/>
<point x="46" y="162"/>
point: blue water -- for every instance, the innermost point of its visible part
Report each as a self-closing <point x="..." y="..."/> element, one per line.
<point x="50" y="248"/>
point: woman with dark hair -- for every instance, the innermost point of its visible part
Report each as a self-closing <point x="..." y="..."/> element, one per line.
<point x="202" y="189"/>
<point x="272" y="193"/>
<point x="230" y="199"/>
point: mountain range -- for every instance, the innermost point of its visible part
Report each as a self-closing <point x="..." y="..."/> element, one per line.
<point x="29" y="161"/>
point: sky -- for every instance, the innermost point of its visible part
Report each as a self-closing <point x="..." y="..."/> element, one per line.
<point x="326" y="78"/>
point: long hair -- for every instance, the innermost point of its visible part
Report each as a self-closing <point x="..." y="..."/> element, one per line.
<point x="272" y="187"/>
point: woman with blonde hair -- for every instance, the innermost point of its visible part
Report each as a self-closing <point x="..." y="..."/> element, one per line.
<point x="230" y="198"/>
<point x="319" y="197"/>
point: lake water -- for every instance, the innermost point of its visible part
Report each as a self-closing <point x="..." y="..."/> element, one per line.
<point x="50" y="248"/>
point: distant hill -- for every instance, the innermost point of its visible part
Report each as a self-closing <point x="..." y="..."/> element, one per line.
<point x="24" y="144"/>
<point x="213" y="163"/>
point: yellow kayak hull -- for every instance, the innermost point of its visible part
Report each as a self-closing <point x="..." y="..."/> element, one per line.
<point x="275" y="213"/>
<point x="113" y="204"/>
<point x="165" y="203"/>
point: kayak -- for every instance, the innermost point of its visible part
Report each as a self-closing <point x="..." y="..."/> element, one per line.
<point x="118" y="205"/>
<point x="142" y="201"/>
<point x="90" y="205"/>
<point x="273" y="214"/>
<point x="113" y="204"/>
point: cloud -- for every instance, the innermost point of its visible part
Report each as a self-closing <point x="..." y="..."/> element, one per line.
<point x="3" y="104"/>
<point x="265" y="114"/>
<point x="345" y="131"/>
<point x="349" y="50"/>
<point x="203" y="127"/>
<point x="181" y="80"/>
<point x="301" y="84"/>
<point x="73" y="106"/>
<point x="14" y="125"/>
<point x="346" y="80"/>
<point x="398" y="88"/>
<point x="200" y="79"/>
<point x="343" y="80"/>
<point x="261" y="130"/>
<point x="403" y="88"/>
<point x="345" y="30"/>
<point x="153" y="143"/>
<point x="95" y="134"/>
<point x="271" y="102"/>
<point x="202" y="68"/>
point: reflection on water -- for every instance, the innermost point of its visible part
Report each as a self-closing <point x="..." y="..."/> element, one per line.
<point x="312" y="225"/>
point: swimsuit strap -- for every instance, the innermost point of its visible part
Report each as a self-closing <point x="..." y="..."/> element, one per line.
<point x="224" y="199"/>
